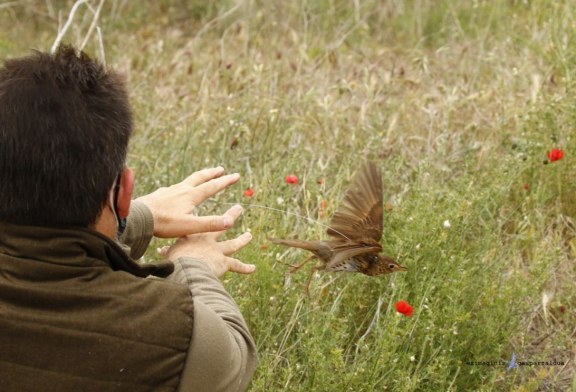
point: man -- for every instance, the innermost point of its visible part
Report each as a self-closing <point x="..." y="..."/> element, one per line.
<point x="76" y="313"/>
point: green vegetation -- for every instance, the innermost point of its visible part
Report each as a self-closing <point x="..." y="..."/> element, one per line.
<point x="459" y="102"/>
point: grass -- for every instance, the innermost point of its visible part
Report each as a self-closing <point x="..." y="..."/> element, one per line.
<point x="458" y="102"/>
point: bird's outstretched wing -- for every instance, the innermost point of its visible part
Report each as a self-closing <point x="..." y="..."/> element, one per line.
<point x="359" y="217"/>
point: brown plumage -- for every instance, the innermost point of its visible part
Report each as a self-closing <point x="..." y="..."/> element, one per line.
<point x="356" y="230"/>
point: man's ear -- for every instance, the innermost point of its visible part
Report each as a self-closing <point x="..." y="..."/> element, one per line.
<point x="125" y="192"/>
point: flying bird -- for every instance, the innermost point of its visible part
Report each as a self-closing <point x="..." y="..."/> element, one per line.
<point x="355" y="231"/>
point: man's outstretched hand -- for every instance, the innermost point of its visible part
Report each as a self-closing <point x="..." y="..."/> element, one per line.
<point x="173" y="207"/>
<point x="216" y="254"/>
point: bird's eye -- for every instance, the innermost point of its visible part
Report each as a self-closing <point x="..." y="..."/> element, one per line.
<point x="391" y="266"/>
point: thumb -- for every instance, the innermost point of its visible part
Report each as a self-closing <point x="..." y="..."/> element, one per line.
<point x="192" y="224"/>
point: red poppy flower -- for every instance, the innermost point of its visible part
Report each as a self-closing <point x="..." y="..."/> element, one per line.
<point x="555" y="154"/>
<point x="404" y="308"/>
<point x="291" y="179"/>
<point x="249" y="192"/>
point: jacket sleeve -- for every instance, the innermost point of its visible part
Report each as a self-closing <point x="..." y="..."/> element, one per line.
<point x="222" y="354"/>
<point x="139" y="230"/>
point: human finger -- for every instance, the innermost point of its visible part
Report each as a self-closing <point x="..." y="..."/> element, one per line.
<point x="202" y="224"/>
<point x="212" y="187"/>
<point x="235" y="265"/>
<point x="230" y="217"/>
<point x="232" y="246"/>
<point x="204" y="175"/>
<point x="234" y="212"/>
<point x="192" y="224"/>
<point x="163" y="251"/>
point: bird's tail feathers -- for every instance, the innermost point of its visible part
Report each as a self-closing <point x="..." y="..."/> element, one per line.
<point x="308" y="245"/>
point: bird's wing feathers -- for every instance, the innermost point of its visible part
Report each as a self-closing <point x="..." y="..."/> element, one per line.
<point x="360" y="214"/>
<point x="347" y="251"/>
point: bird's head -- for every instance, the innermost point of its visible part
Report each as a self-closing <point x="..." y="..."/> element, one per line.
<point x="386" y="265"/>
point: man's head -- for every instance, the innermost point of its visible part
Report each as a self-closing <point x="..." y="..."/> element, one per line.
<point x="65" y="122"/>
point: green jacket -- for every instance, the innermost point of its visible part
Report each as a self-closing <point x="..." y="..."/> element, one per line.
<point x="77" y="314"/>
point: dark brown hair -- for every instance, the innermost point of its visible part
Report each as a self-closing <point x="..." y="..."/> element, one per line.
<point x="65" y="122"/>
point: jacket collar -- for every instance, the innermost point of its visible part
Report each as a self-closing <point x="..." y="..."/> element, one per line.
<point x="72" y="246"/>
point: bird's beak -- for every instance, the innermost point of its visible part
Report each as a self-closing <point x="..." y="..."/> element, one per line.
<point x="402" y="268"/>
